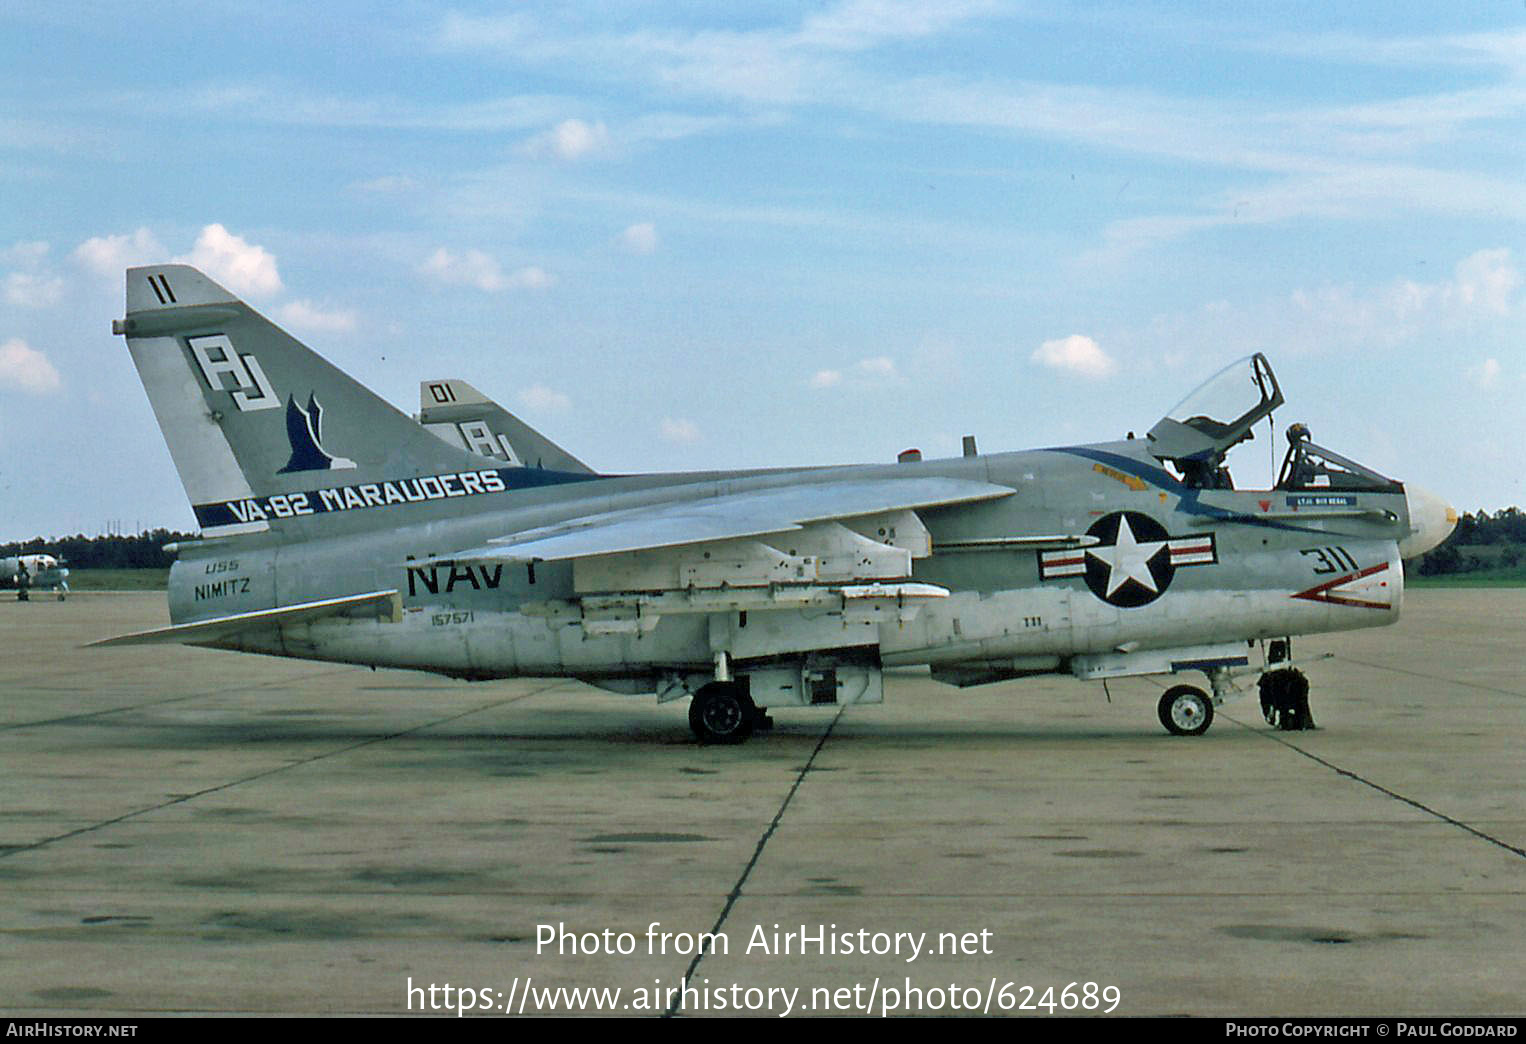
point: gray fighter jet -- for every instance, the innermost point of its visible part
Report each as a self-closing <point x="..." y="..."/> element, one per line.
<point x="336" y="528"/>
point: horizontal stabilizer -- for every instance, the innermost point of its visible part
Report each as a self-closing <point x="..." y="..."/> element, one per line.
<point x="385" y="605"/>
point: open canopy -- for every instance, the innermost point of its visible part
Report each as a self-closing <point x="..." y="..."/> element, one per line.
<point x="1219" y="415"/>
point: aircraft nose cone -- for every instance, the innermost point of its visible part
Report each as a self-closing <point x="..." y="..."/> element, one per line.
<point x="1431" y="520"/>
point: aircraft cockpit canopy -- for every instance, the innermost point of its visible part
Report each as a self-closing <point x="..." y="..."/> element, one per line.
<point x="1215" y="418"/>
<point x="1310" y="466"/>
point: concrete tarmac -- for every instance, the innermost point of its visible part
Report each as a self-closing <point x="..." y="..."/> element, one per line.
<point x="192" y="831"/>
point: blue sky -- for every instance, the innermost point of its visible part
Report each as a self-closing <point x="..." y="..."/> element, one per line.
<point x="685" y="236"/>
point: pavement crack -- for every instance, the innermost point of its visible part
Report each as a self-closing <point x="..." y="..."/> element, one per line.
<point x="757" y="853"/>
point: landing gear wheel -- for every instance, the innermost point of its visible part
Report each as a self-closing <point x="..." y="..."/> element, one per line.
<point x="1186" y="711"/>
<point x="1285" y="699"/>
<point x="722" y="712"/>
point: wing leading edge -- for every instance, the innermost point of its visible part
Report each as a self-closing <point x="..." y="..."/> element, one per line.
<point x="732" y="516"/>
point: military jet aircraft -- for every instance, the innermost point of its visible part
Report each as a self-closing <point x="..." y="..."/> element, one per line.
<point x="35" y="572"/>
<point x="336" y="528"/>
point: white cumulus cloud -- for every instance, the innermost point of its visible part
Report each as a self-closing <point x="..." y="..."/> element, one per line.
<point x="530" y="277"/>
<point x="679" y="430"/>
<point x="570" y="141"/>
<point x="1486" y="374"/>
<point x="33" y="289"/>
<point x="29" y="253"/>
<point x="1075" y="354"/>
<point x="112" y="255"/>
<point x="482" y="270"/>
<point x="640" y="239"/>
<point x="303" y="315"/>
<point x="233" y="261"/>
<point x="1486" y="280"/>
<point x="32" y="285"/>
<point x="878" y="370"/>
<point x="880" y="367"/>
<point x="26" y="368"/>
<point x="540" y="399"/>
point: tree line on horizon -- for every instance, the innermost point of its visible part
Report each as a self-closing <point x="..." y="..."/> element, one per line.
<point x="1504" y="533"/>
<point x="143" y="550"/>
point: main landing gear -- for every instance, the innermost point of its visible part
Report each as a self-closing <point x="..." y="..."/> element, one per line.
<point x="723" y="712"/>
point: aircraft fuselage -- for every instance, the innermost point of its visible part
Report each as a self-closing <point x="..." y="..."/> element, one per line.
<point x="1152" y="564"/>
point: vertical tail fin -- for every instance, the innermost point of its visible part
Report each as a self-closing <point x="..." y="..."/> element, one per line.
<point x="263" y="430"/>
<point x="463" y="416"/>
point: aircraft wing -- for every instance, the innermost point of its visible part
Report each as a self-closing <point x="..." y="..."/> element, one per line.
<point x="731" y="516"/>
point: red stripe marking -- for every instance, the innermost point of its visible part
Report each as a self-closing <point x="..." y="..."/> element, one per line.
<point x="1322" y="592"/>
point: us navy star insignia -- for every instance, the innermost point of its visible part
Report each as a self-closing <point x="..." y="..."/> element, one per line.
<point x="1134" y="560"/>
<point x="1128" y="560"/>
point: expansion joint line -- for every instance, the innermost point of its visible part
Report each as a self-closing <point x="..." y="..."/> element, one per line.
<point x="1378" y="786"/>
<point x="1411" y="802"/>
<point x="87" y="715"/>
<point x="757" y="853"/>
<point x="183" y="798"/>
<point x="1431" y="677"/>
<point x="1393" y="794"/>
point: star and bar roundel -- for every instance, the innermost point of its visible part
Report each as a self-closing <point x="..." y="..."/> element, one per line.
<point x="1133" y="561"/>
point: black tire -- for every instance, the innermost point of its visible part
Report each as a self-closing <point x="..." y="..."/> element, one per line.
<point x="1270" y="688"/>
<point x="1285" y="700"/>
<point x="1186" y="711"/>
<point x="722" y="712"/>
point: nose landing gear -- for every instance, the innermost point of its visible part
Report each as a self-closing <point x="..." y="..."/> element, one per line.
<point x="1285" y="699"/>
<point x="1186" y="711"/>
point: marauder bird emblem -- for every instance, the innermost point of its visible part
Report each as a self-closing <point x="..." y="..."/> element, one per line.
<point x="305" y="430"/>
